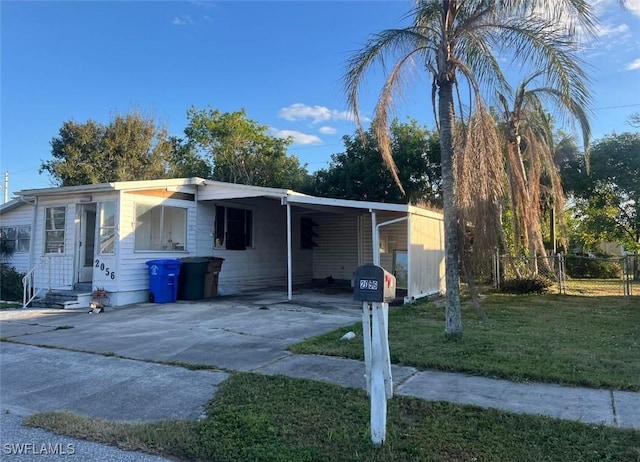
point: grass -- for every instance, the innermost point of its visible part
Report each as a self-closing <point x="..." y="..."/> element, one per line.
<point x="585" y="341"/>
<point x="8" y="305"/>
<point x="263" y="418"/>
<point x="600" y="287"/>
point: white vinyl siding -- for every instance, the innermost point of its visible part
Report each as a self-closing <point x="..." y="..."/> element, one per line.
<point x="426" y="255"/>
<point x="337" y="252"/>
<point x="20" y="217"/>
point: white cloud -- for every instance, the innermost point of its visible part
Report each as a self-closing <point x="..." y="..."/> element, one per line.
<point x="182" y="21"/>
<point x="633" y="6"/>
<point x="609" y="31"/>
<point x="327" y="130"/>
<point x="633" y="65"/>
<point x="298" y="137"/>
<point x="317" y="114"/>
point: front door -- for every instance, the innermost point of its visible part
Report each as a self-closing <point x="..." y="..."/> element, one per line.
<point x="86" y="232"/>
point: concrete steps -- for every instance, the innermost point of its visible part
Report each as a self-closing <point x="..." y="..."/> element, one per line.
<point x="64" y="299"/>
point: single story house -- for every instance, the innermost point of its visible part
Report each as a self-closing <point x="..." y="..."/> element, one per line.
<point x="102" y="235"/>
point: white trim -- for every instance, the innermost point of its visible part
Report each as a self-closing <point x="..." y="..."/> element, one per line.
<point x="250" y="191"/>
<point x="116" y="186"/>
<point x="409" y="299"/>
<point x="289" y="256"/>
<point x="409" y="252"/>
<point x="329" y="202"/>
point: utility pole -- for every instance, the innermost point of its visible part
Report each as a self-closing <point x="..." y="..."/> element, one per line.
<point x="6" y="187"/>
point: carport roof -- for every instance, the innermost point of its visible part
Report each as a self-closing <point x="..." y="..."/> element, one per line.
<point x="221" y="191"/>
<point x="218" y="190"/>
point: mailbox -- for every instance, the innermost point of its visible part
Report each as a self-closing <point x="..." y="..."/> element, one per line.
<point x="373" y="284"/>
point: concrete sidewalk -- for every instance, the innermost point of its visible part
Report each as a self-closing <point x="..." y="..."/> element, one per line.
<point x="231" y="335"/>
<point x="612" y="408"/>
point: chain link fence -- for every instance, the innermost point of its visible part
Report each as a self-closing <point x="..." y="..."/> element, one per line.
<point x="574" y="274"/>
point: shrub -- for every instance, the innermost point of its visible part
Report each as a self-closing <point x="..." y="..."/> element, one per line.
<point x="526" y="286"/>
<point x="597" y="268"/>
<point x="10" y="283"/>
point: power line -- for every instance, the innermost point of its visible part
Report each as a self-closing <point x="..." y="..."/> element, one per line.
<point x="618" y="107"/>
<point x="13" y="172"/>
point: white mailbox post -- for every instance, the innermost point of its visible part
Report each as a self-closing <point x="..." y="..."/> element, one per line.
<point x="375" y="287"/>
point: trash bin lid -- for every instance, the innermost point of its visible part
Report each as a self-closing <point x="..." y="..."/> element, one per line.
<point x="188" y="260"/>
<point x="163" y="262"/>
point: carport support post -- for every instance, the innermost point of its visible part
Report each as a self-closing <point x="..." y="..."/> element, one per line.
<point x="377" y="362"/>
<point x="375" y="238"/>
<point x="289" y="263"/>
<point x="366" y="336"/>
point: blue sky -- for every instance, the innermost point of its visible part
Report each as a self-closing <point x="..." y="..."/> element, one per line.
<point x="281" y="61"/>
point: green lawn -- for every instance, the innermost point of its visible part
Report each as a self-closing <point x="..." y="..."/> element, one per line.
<point x="587" y="341"/>
<point x="261" y="418"/>
<point x="591" y="287"/>
<point x="4" y="305"/>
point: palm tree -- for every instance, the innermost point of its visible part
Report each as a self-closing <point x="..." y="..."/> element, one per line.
<point x="449" y="38"/>
<point x="528" y="138"/>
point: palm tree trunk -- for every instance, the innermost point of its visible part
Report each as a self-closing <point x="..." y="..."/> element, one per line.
<point x="453" y="315"/>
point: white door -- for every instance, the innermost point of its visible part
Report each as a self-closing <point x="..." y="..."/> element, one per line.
<point x="86" y="232"/>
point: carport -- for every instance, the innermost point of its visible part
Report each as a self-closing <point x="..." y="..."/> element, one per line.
<point x="406" y="240"/>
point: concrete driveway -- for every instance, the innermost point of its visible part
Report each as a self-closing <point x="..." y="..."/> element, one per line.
<point x="109" y="365"/>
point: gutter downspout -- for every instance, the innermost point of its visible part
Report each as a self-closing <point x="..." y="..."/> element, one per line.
<point x="375" y="239"/>
<point x="33" y="230"/>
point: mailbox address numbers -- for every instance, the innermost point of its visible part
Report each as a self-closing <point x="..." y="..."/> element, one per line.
<point x="368" y="284"/>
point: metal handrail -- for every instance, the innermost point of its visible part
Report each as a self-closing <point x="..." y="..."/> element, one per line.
<point x="28" y="294"/>
<point x="56" y="275"/>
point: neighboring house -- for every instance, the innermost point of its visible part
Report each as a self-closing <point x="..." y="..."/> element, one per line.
<point x="103" y="234"/>
<point x="16" y="221"/>
<point x="612" y="248"/>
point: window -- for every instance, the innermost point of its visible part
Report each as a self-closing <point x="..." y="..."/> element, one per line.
<point x="55" y="219"/>
<point x="15" y="238"/>
<point x="107" y="217"/>
<point x="307" y="233"/>
<point x="160" y="227"/>
<point x="233" y="228"/>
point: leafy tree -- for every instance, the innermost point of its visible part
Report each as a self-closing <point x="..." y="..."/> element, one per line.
<point x="608" y="199"/>
<point x="185" y="162"/>
<point x="129" y="147"/>
<point x="452" y="38"/>
<point x="241" y="150"/>
<point x="360" y="174"/>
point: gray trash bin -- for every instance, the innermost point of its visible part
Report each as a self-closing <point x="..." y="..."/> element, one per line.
<point x="192" y="275"/>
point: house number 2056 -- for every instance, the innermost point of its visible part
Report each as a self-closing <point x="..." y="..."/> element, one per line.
<point x="107" y="271"/>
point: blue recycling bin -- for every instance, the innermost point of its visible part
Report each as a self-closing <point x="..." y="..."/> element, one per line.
<point x="163" y="280"/>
